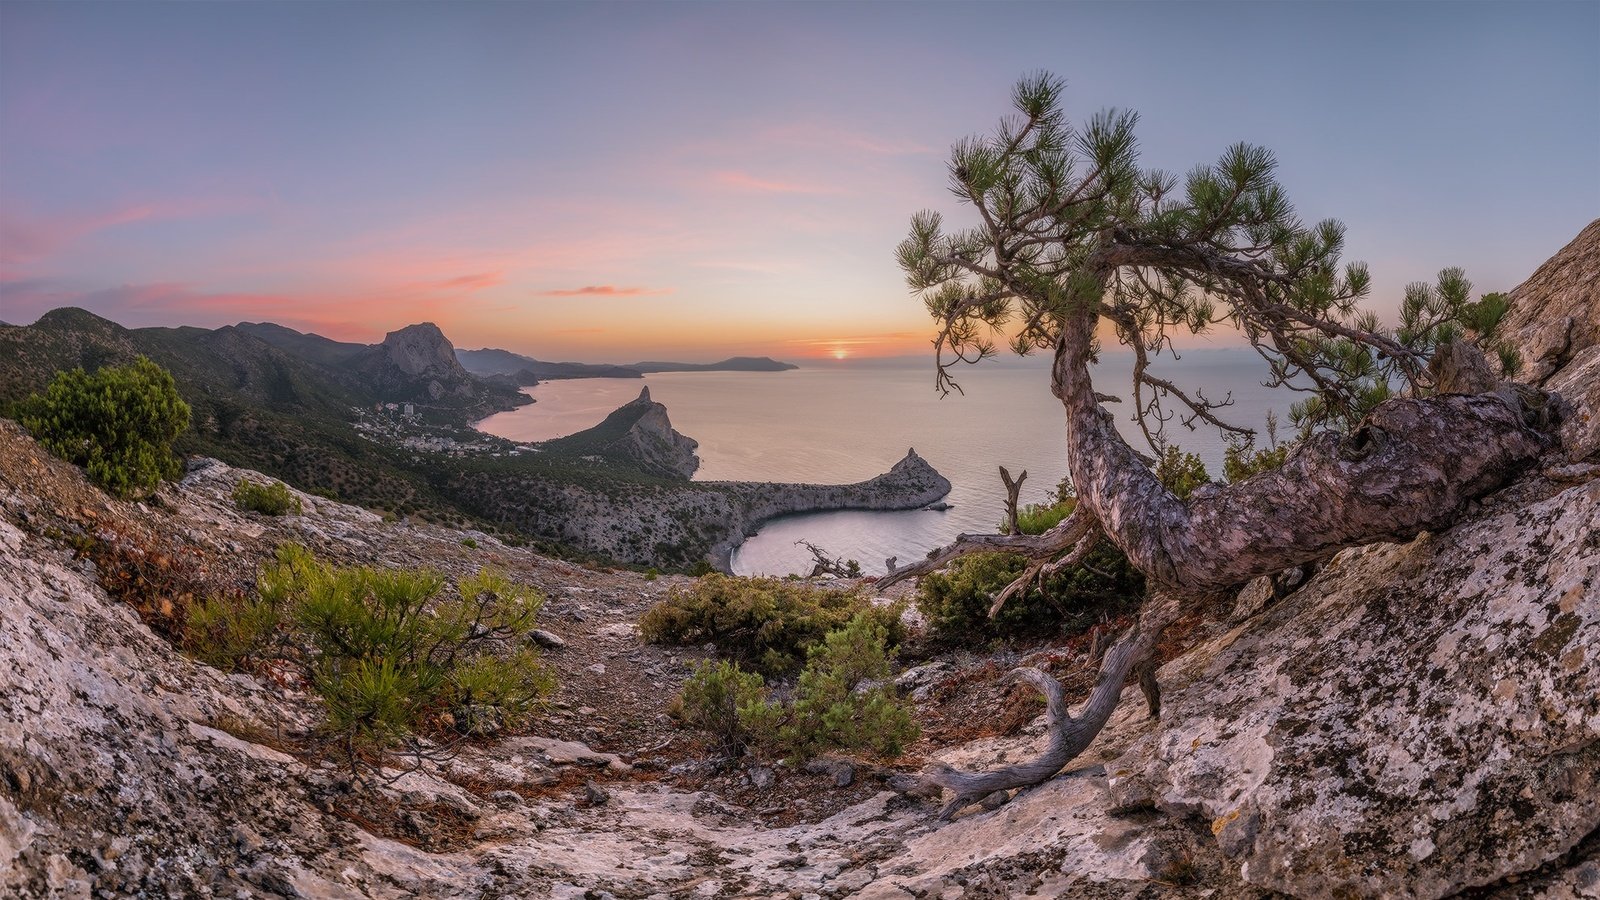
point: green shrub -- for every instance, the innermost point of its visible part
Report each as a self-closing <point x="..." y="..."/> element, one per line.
<point x="956" y="601"/>
<point x="702" y="568"/>
<point x="469" y="543"/>
<point x="272" y="499"/>
<point x="843" y="700"/>
<point x="765" y="623"/>
<point x="1241" y="460"/>
<point x="392" y="655"/>
<point x="713" y="697"/>
<point x="118" y="423"/>
<point x="1037" y="518"/>
<point x="1182" y="473"/>
<point x="231" y="632"/>
<point x="1484" y="316"/>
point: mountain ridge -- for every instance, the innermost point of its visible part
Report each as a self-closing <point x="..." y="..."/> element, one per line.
<point x="620" y="491"/>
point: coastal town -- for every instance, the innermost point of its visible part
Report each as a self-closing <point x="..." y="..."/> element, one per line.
<point x="401" y="425"/>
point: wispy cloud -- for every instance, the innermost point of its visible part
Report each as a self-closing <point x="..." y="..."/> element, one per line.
<point x="26" y="239"/>
<point x="606" y="290"/>
<point x="475" y="282"/>
<point x="744" y="181"/>
<point x="822" y="134"/>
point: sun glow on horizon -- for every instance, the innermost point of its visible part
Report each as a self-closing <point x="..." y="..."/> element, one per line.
<point x="839" y="353"/>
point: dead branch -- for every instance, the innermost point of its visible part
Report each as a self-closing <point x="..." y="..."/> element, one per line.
<point x="1013" y="488"/>
<point x="1068" y="735"/>
<point x="823" y="564"/>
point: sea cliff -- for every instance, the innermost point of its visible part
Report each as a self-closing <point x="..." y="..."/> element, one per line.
<point x="672" y="522"/>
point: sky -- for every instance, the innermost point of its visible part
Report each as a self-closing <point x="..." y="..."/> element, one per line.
<point x="617" y="181"/>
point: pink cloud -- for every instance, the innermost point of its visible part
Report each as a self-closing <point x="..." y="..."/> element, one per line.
<point x="25" y="240"/>
<point x="744" y="181"/>
<point x="607" y="290"/>
<point x="476" y="282"/>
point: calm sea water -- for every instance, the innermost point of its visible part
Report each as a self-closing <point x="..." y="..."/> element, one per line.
<point x="846" y="422"/>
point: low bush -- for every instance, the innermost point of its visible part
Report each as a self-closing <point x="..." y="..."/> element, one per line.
<point x="1182" y="473"/>
<point x="841" y="701"/>
<point x="272" y="499"/>
<point x="391" y="653"/>
<point x="232" y="632"/>
<point x="1241" y="460"/>
<point x="765" y="623"/>
<point x="714" y="697"/>
<point x="1037" y="518"/>
<point x="118" y="423"/>
<point x="956" y="601"/>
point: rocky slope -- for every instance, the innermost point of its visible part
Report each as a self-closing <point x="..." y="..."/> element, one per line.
<point x="1555" y="314"/>
<point x="1419" y="720"/>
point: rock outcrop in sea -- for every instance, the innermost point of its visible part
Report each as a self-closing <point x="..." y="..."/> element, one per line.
<point x="639" y="435"/>
<point x="1417" y="720"/>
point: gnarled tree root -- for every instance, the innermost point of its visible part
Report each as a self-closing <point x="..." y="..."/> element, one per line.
<point x="1069" y="736"/>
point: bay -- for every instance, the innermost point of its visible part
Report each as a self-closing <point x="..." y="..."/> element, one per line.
<point x="846" y="421"/>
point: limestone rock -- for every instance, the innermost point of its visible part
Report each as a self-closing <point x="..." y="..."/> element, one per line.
<point x="1555" y="314"/>
<point x="421" y="349"/>
<point x="1418" y="720"/>
<point x="547" y="640"/>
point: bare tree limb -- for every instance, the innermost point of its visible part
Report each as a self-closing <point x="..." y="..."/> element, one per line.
<point x="1063" y="536"/>
<point x="1013" y="488"/>
<point x="1068" y="736"/>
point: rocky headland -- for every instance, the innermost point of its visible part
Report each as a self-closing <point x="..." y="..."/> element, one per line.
<point x="1417" y="720"/>
<point x="637" y="434"/>
<point x="665" y="519"/>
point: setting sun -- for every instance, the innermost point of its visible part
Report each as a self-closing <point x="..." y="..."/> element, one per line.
<point x="840" y="353"/>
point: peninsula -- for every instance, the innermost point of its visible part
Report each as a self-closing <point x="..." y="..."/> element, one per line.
<point x="659" y="517"/>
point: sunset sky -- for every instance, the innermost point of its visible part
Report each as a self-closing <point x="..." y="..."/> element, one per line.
<point x="610" y="182"/>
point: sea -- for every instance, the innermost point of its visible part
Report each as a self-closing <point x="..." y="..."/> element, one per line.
<point x="846" y="421"/>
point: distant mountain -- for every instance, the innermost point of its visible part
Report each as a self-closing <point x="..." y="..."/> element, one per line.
<point x="257" y="402"/>
<point x="487" y="362"/>
<point x="314" y="347"/>
<point x="731" y="364"/>
<point x="417" y="363"/>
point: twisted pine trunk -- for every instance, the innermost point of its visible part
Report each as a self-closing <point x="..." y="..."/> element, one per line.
<point x="1412" y="465"/>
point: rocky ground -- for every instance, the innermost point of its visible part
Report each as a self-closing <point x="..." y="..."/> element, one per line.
<point x="607" y="794"/>
<point x="1418" y="720"/>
